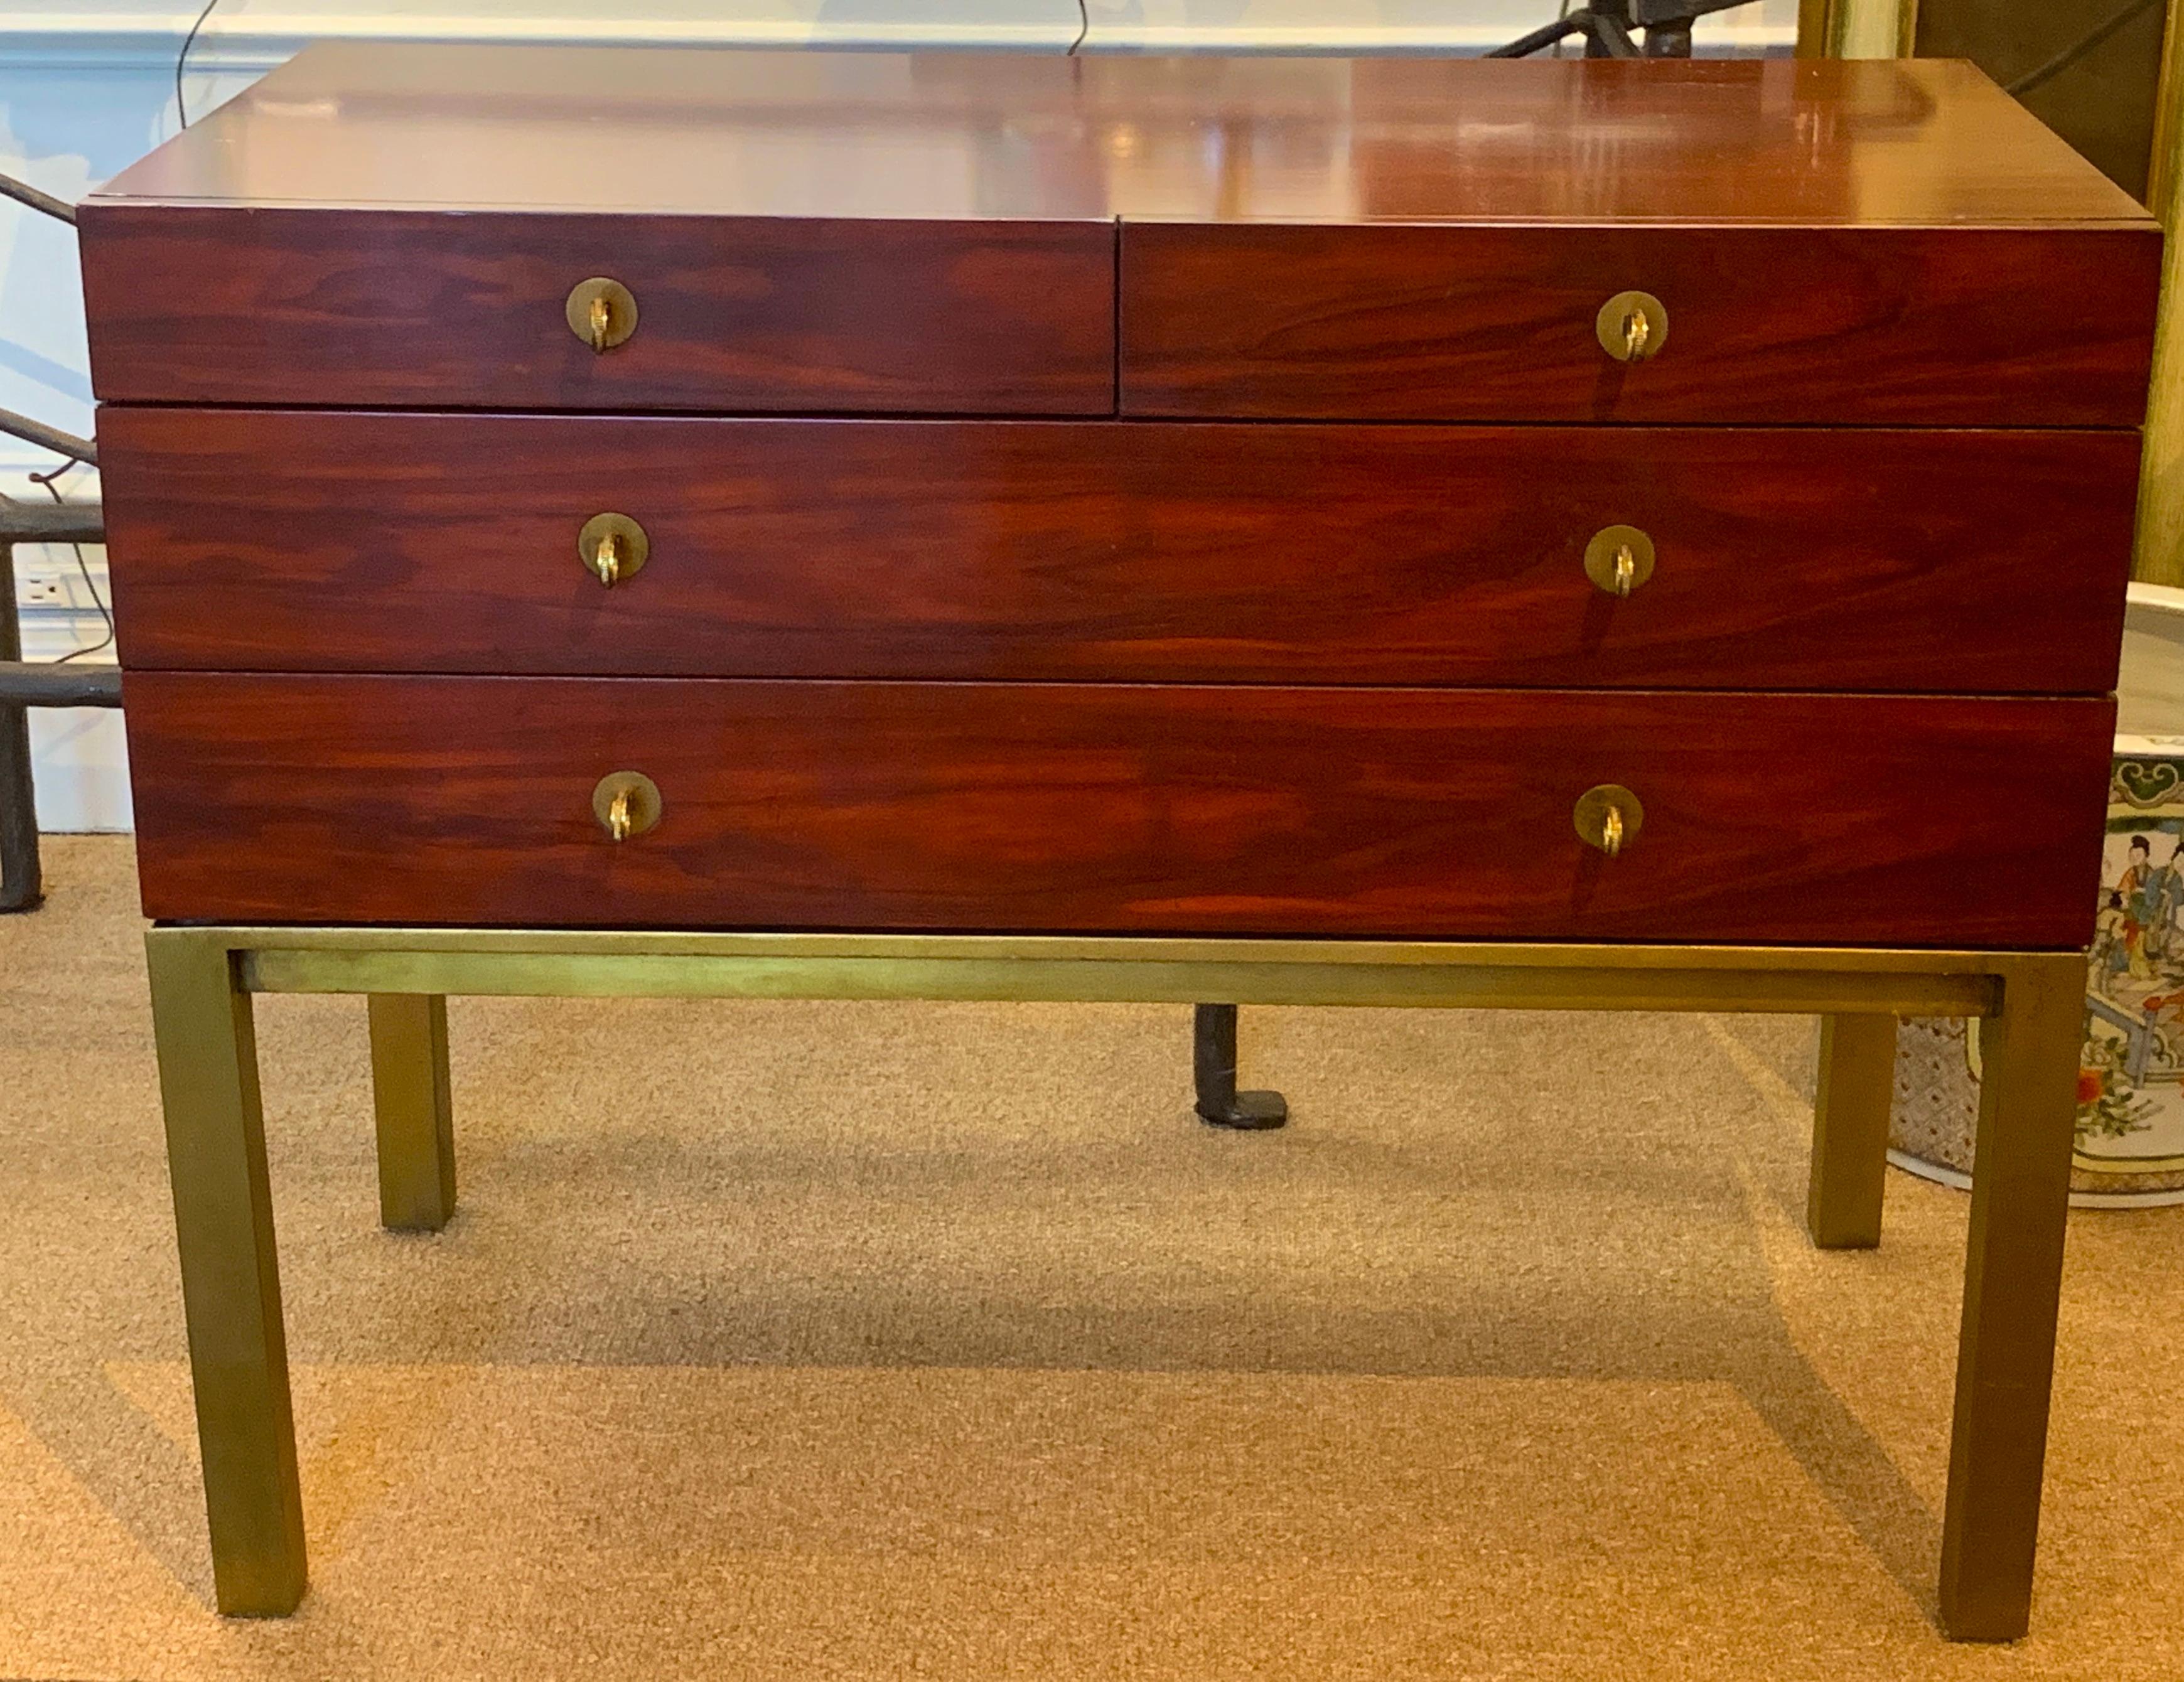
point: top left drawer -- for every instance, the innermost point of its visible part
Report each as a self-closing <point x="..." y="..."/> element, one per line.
<point x="456" y="309"/>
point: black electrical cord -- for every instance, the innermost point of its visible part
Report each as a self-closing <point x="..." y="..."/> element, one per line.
<point x="2070" y="55"/>
<point x="181" y="59"/>
<point x="1083" y="28"/>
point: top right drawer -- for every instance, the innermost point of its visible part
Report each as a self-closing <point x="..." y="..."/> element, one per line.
<point x="1943" y="326"/>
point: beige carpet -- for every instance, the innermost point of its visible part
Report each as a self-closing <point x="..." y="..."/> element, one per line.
<point x="872" y="1340"/>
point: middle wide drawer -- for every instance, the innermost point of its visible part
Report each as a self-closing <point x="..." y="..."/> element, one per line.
<point x="1915" y="561"/>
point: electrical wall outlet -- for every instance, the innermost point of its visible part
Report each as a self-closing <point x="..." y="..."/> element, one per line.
<point x="48" y="581"/>
<point x="39" y="586"/>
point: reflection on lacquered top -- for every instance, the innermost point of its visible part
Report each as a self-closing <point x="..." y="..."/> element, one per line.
<point x="1017" y="135"/>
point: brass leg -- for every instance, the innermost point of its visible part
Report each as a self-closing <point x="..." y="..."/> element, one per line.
<point x="1857" y="29"/>
<point x="2012" y="1273"/>
<point x="1850" y="1131"/>
<point x="416" y="1123"/>
<point x="230" y="1279"/>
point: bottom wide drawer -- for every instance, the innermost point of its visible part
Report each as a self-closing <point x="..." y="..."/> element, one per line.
<point x="1823" y="819"/>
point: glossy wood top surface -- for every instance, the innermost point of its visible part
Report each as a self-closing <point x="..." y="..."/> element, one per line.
<point x="1022" y="136"/>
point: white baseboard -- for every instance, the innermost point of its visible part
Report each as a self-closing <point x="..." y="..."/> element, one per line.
<point x="79" y="765"/>
<point x="79" y="756"/>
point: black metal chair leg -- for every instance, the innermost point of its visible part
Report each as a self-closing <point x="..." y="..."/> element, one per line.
<point x="1213" y="1063"/>
<point x="20" y="887"/>
<point x="1608" y="26"/>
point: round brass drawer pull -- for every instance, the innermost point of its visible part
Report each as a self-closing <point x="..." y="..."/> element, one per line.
<point x="613" y="546"/>
<point x="1618" y="559"/>
<point x="1632" y="326"/>
<point x="626" y="803"/>
<point x="602" y="313"/>
<point x="1609" y="817"/>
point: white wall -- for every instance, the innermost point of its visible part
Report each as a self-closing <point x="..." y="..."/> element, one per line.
<point x="88" y="86"/>
<point x="74" y="108"/>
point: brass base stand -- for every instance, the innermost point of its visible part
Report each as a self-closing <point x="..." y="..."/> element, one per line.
<point x="2029" y="1006"/>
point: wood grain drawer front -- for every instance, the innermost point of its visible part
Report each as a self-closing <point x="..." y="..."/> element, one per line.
<point x="470" y="310"/>
<point x="1936" y="561"/>
<point x="1871" y="327"/>
<point x="1831" y="819"/>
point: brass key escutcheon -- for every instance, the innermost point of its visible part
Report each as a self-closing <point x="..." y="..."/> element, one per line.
<point x="1608" y="817"/>
<point x="613" y="546"/>
<point x="602" y="313"/>
<point x="1620" y="559"/>
<point x="1632" y="326"/>
<point x="626" y="803"/>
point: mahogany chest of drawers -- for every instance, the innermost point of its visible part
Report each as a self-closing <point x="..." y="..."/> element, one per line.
<point x="1122" y="495"/>
<point x="1586" y="502"/>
